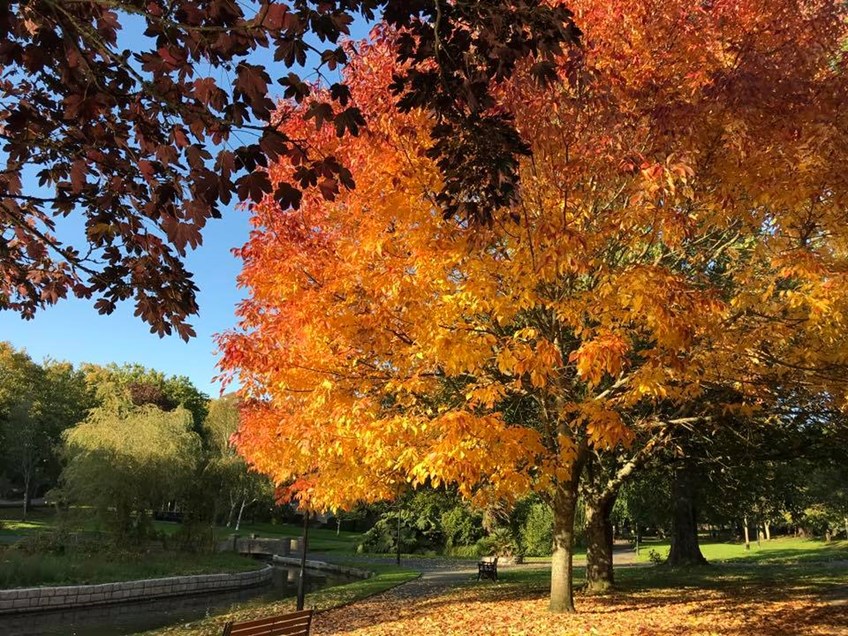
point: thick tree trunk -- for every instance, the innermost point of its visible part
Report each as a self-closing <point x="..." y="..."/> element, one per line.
<point x="562" y="569"/>
<point x="684" y="532"/>
<point x="845" y="521"/>
<point x="767" y="528"/>
<point x="745" y="530"/>
<point x="599" y="536"/>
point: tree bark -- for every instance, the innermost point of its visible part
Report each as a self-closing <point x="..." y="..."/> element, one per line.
<point x="26" y="493"/>
<point x="562" y="567"/>
<point x="241" y="510"/>
<point x="745" y="530"/>
<point x="599" y="536"/>
<point x="845" y="521"/>
<point x="767" y="528"/>
<point x="684" y="531"/>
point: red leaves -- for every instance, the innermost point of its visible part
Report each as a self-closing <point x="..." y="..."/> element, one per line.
<point x="253" y="186"/>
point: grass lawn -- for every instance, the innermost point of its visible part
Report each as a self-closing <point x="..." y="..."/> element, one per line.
<point x="22" y="570"/>
<point x="778" y="550"/>
<point x="386" y="578"/>
<point x="720" y="600"/>
<point x="320" y="539"/>
<point x="46" y="519"/>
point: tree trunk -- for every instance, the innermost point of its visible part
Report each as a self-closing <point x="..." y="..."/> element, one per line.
<point x="599" y="536"/>
<point x="767" y="529"/>
<point x="241" y="510"/>
<point x="745" y="530"/>
<point x="684" y="528"/>
<point x="562" y="568"/>
<point x="845" y="521"/>
<point x="26" y="493"/>
<point x="233" y="505"/>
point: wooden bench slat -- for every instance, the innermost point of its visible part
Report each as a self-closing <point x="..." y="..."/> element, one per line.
<point x="272" y="619"/>
<point x="276" y="629"/>
<point x="295" y="624"/>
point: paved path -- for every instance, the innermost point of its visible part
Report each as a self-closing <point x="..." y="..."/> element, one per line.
<point x="438" y="574"/>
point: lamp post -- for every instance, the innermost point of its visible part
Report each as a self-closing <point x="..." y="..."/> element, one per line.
<point x="301" y="589"/>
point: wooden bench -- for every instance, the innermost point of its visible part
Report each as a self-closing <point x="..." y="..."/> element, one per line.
<point x="487" y="568"/>
<point x="295" y="624"/>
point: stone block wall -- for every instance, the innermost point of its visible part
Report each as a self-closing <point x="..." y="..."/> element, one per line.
<point x="67" y="596"/>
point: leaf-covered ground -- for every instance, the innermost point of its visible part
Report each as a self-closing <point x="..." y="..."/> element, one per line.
<point x="726" y="602"/>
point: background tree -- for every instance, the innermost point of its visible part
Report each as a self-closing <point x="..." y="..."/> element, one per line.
<point x="128" y="464"/>
<point x="37" y="402"/>
<point x="235" y="483"/>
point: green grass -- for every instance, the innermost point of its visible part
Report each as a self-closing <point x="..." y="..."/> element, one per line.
<point x="320" y="539"/>
<point x="779" y="550"/>
<point x="38" y="520"/>
<point x="82" y="520"/>
<point x="18" y="569"/>
<point x="808" y="578"/>
<point x="386" y="577"/>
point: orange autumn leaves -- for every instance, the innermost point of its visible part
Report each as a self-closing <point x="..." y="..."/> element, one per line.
<point x="507" y="611"/>
<point x="679" y="228"/>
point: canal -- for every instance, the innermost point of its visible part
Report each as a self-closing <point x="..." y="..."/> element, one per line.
<point x="130" y="618"/>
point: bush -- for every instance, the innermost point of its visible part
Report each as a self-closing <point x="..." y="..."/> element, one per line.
<point x="461" y="527"/>
<point x="501" y="542"/>
<point x="537" y="533"/>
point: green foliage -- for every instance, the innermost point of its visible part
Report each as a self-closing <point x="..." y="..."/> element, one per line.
<point x="462" y="526"/>
<point x="121" y="389"/>
<point x="227" y="481"/>
<point x="37" y="402"/>
<point x="537" y="534"/>
<point x="501" y="542"/>
<point x="430" y="520"/>
<point x="127" y="464"/>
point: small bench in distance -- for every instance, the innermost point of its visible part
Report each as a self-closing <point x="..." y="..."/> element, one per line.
<point x="294" y="624"/>
<point x="487" y="568"/>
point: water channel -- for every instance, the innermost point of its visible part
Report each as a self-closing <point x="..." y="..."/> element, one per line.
<point x="129" y="618"/>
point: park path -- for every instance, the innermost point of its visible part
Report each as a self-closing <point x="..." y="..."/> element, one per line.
<point x="439" y="574"/>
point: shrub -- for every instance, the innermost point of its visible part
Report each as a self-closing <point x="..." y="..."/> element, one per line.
<point x="537" y="533"/>
<point x="461" y="526"/>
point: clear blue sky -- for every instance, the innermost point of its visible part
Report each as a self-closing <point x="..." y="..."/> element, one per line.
<point x="72" y="330"/>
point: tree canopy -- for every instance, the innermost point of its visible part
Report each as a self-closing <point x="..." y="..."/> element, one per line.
<point x="144" y="119"/>
<point x="679" y="229"/>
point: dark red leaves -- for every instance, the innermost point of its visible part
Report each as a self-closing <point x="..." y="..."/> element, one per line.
<point x="123" y="137"/>
<point x="253" y="186"/>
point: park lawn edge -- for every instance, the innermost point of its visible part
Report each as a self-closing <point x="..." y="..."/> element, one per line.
<point x="82" y="569"/>
<point x="385" y="578"/>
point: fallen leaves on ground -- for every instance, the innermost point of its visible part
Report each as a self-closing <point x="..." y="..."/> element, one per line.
<point x="506" y="611"/>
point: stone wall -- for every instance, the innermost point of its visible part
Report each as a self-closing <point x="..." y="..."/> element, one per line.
<point x="260" y="545"/>
<point x="42" y="598"/>
<point x="323" y="566"/>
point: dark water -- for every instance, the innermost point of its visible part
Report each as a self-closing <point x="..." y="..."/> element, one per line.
<point x="129" y="618"/>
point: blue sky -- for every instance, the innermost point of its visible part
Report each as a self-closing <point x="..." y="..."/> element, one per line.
<point x="72" y="330"/>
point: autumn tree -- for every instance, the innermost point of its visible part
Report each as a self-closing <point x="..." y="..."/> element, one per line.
<point x="145" y="119"/>
<point x="656" y="250"/>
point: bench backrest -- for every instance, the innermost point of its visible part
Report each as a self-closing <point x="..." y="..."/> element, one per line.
<point x="295" y="624"/>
